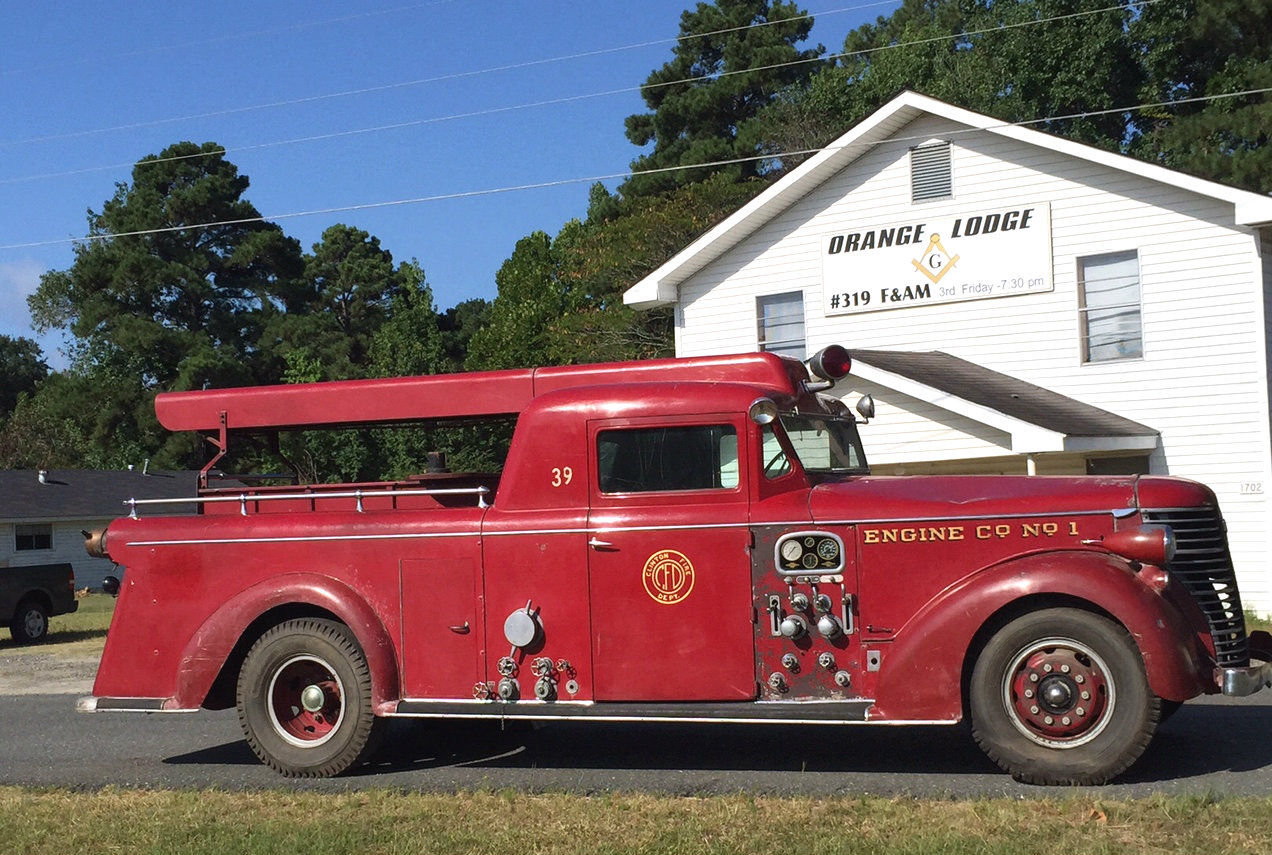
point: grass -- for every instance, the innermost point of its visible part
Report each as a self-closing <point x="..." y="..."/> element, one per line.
<point x="385" y="821"/>
<point x="77" y="635"/>
<point x="1255" y="621"/>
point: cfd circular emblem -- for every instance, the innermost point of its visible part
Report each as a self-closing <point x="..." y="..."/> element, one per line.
<point x="668" y="576"/>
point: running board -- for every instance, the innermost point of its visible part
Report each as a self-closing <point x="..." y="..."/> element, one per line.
<point x="773" y="712"/>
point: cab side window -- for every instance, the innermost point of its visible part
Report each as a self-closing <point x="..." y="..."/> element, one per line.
<point x="642" y="460"/>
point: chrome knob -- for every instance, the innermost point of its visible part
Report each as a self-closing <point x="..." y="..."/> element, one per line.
<point x="793" y="627"/>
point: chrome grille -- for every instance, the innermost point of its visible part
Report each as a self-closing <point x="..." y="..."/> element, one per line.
<point x="1202" y="562"/>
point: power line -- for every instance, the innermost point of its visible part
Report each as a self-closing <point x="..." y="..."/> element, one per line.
<point x="459" y="75"/>
<point x="468" y="194"/>
<point x="546" y="102"/>
<point x="226" y="38"/>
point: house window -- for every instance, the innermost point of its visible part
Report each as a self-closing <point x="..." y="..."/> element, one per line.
<point x="780" y="323"/>
<point x="32" y="536"/>
<point x="931" y="176"/>
<point x="643" y="460"/>
<point x="1109" y="305"/>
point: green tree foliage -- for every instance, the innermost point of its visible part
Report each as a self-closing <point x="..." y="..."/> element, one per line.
<point x="183" y="306"/>
<point x="179" y="307"/>
<point x="1090" y="60"/>
<point x="1194" y="49"/>
<point x="705" y="99"/>
<point x="560" y="299"/>
<point x="985" y="55"/>
<point x="22" y="369"/>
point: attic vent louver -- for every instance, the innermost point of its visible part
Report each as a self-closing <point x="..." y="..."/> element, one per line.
<point x="930" y="173"/>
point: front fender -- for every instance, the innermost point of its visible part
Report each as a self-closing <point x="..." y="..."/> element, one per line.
<point x="210" y="646"/>
<point x="922" y="671"/>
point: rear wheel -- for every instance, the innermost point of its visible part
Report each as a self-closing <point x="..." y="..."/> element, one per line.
<point x="1060" y="696"/>
<point x="304" y="699"/>
<point x="30" y="622"/>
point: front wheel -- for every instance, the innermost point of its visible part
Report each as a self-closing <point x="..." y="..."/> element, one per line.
<point x="1060" y="696"/>
<point x="30" y="622"/>
<point x="304" y="699"/>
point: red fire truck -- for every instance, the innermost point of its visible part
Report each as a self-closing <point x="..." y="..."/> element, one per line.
<point x="672" y="540"/>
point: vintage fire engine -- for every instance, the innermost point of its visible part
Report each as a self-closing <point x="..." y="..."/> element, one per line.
<point x="672" y="540"/>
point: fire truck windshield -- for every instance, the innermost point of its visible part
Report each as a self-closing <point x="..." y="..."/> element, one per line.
<point x="826" y="444"/>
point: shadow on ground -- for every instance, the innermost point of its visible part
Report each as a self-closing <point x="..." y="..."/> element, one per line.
<point x="1199" y="740"/>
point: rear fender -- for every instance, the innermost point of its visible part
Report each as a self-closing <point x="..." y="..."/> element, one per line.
<point x="926" y="661"/>
<point x="210" y="646"/>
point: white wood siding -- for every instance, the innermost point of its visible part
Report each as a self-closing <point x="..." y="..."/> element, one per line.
<point x="1202" y="381"/>
<point x="68" y="547"/>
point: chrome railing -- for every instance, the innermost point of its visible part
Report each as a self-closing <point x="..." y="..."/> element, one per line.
<point x="244" y="498"/>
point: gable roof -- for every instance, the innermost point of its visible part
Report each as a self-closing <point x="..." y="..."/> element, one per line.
<point x="87" y="494"/>
<point x="660" y="286"/>
<point x="976" y="384"/>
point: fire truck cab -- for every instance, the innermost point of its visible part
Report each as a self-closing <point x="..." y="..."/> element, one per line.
<point x="671" y="540"/>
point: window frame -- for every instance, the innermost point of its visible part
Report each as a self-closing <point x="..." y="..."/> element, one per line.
<point x="600" y="428"/>
<point x="1084" y="317"/>
<point x="45" y="530"/>
<point x="763" y="344"/>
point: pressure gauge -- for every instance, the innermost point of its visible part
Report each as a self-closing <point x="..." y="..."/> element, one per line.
<point x="791" y="550"/>
<point x="828" y="550"/>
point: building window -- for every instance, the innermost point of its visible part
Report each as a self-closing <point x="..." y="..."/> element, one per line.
<point x="931" y="175"/>
<point x="643" y="460"/>
<point x="1109" y="304"/>
<point x="780" y="323"/>
<point x="33" y="536"/>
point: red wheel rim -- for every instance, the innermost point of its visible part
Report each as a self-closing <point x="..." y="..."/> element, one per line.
<point x="1058" y="692"/>
<point x="306" y="701"/>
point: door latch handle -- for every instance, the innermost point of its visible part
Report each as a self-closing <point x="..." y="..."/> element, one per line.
<point x="600" y="544"/>
<point x="461" y="629"/>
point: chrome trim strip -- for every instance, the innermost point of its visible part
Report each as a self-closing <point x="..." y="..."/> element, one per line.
<point x="672" y="719"/>
<point x="95" y="704"/>
<point x="609" y="529"/>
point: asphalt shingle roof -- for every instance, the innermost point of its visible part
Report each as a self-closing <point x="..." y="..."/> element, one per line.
<point x="1004" y="393"/>
<point x="88" y="493"/>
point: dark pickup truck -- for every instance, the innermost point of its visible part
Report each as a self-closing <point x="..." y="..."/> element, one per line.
<point x="31" y="595"/>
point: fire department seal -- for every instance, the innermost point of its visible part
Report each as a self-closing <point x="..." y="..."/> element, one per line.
<point x="668" y="576"/>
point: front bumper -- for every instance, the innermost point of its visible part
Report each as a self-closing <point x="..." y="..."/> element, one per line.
<point x="1240" y="682"/>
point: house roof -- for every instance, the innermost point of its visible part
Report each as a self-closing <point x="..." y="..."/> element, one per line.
<point x="87" y="494"/>
<point x="1037" y="419"/>
<point x="660" y="286"/>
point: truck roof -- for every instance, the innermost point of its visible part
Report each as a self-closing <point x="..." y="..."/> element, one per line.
<point x="450" y="396"/>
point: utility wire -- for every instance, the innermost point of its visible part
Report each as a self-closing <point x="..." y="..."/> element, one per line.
<point x="459" y="75"/>
<point x="309" y="25"/>
<point x="468" y="194"/>
<point x="515" y="107"/>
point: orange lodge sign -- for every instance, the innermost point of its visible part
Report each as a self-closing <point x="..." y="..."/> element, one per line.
<point x="668" y="576"/>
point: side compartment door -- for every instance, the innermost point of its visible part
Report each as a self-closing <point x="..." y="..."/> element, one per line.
<point x="669" y="560"/>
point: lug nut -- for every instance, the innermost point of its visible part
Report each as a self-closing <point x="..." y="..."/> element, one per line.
<point x="1064" y="669"/>
<point x="1033" y="710"/>
<point x="1049" y="720"/>
<point x="1080" y="711"/>
<point x="1028" y="693"/>
<point x="1047" y="667"/>
<point x="1066" y="720"/>
<point x="1079" y="679"/>
<point x="1086" y="696"/>
<point x="1033" y="678"/>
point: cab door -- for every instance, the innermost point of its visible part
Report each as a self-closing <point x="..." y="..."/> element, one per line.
<point x="669" y="560"/>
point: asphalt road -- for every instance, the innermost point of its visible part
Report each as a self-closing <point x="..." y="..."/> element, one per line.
<point x="1217" y="746"/>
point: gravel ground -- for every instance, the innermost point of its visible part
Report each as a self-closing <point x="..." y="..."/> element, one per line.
<point x="31" y="671"/>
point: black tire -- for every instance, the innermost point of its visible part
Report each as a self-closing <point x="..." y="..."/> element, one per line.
<point x="30" y="622"/>
<point x="304" y="699"/>
<point x="1029" y="713"/>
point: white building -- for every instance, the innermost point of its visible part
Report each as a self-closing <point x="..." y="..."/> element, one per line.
<point x="1015" y="302"/>
<point x="42" y="513"/>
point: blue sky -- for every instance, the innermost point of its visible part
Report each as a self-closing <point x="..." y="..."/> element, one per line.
<point x="87" y="88"/>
